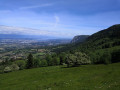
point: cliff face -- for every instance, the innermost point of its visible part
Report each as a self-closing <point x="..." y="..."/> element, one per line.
<point x="79" y="38"/>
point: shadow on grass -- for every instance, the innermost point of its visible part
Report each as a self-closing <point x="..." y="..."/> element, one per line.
<point x="70" y="66"/>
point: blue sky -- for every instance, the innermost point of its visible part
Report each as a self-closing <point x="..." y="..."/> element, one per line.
<point x="62" y="18"/>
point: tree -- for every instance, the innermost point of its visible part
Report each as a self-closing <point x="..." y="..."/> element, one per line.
<point x="107" y="57"/>
<point x="7" y="69"/>
<point x="116" y="56"/>
<point x="77" y="59"/>
<point x="37" y="62"/>
<point x="49" y="60"/>
<point x="70" y="59"/>
<point x="56" y="60"/>
<point x="14" y="67"/>
<point x="43" y="63"/>
<point x="30" y="63"/>
<point x="62" y="58"/>
<point x="21" y="64"/>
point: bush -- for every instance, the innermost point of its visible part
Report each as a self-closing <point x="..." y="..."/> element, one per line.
<point x="62" y="58"/>
<point x="21" y="64"/>
<point x="2" y="69"/>
<point x="77" y="59"/>
<point x="106" y="58"/>
<point x="56" y="61"/>
<point x="7" y="69"/>
<point x="82" y="58"/>
<point x="44" y="63"/>
<point x="37" y="62"/>
<point x="14" y="67"/>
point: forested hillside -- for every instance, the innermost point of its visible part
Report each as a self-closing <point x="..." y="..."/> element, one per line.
<point x="102" y="47"/>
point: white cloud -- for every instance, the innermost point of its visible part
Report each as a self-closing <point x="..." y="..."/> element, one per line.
<point x="36" y="6"/>
<point x="57" y="20"/>
<point x="29" y="31"/>
<point x="20" y="30"/>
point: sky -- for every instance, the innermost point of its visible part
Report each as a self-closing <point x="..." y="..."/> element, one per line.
<point x="60" y="18"/>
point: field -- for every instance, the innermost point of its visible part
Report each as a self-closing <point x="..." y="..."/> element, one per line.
<point x="85" y="77"/>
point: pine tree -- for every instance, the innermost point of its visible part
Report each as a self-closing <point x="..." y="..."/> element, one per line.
<point x="30" y="62"/>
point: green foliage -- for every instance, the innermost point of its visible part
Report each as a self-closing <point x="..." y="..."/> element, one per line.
<point x="30" y="62"/>
<point x="116" y="56"/>
<point x="6" y="62"/>
<point x="106" y="58"/>
<point x="21" y="64"/>
<point x="53" y="59"/>
<point x="56" y="61"/>
<point x="70" y="60"/>
<point x="7" y="69"/>
<point x="49" y="59"/>
<point x="77" y="59"/>
<point x="62" y="58"/>
<point x="43" y="63"/>
<point x="2" y="68"/>
<point x="37" y="62"/>
<point x="14" y="67"/>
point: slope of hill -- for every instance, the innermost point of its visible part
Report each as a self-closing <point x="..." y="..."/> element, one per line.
<point x="111" y="32"/>
<point x="86" y="77"/>
<point x="102" y="47"/>
<point x="79" y="38"/>
<point x="102" y="44"/>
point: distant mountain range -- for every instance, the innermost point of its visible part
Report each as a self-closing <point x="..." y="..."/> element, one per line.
<point x="15" y="36"/>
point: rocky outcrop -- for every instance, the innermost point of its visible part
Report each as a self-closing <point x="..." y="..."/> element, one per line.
<point x="79" y="38"/>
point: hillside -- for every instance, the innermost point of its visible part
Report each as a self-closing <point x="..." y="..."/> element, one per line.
<point x="112" y="32"/>
<point x="102" y="44"/>
<point x="79" y="38"/>
<point x="105" y="43"/>
<point x="86" y="77"/>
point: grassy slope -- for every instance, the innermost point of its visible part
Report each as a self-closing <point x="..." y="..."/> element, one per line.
<point x="86" y="77"/>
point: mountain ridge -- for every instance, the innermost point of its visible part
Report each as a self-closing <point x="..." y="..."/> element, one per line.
<point x="79" y="38"/>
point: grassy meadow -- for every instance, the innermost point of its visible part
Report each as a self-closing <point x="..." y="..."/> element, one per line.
<point x="85" y="77"/>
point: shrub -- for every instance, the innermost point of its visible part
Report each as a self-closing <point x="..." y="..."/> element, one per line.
<point x="21" y="64"/>
<point x="37" y="62"/>
<point x="44" y="63"/>
<point x="7" y="69"/>
<point x="106" y="57"/>
<point x="2" y="69"/>
<point x="14" y="67"/>
<point x="56" y="61"/>
<point x="77" y="59"/>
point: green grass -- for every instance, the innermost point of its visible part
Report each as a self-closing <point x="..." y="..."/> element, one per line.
<point x="39" y="54"/>
<point x="85" y="77"/>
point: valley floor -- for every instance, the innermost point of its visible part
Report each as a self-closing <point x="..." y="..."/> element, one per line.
<point x="85" y="77"/>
